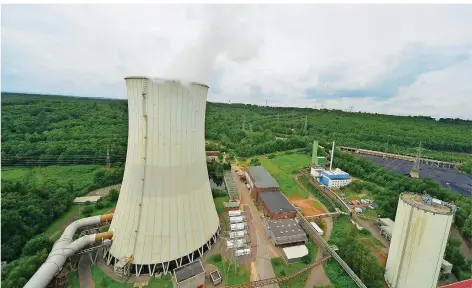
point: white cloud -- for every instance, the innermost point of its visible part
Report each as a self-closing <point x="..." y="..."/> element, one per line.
<point x="258" y="52"/>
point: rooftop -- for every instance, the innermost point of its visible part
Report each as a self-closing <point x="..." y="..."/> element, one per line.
<point x="285" y="227"/>
<point x="387" y="222"/>
<point x="262" y="179"/>
<point x="294" y="252"/>
<point x="276" y="202"/>
<point x="417" y="200"/>
<point x="91" y="199"/>
<point x="461" y="284"/>
<point x="188" y="271"/>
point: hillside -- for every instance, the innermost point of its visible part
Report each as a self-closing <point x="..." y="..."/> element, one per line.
<point x="56" y="129"/>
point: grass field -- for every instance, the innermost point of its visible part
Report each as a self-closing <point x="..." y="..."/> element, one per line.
<point x="281" y="269"/>
<point x="282" y="168"/>
<point x="73" y="280"/>
<point x="80" y="176"/>
<point x="341" y="227"/>
<point x="230" y="277"/>
<point x="103" y="281"/>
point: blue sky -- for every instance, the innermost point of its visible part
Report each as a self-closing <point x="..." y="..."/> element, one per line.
<point x="406" y="60"/>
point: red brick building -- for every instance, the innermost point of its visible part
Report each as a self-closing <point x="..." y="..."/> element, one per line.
<point x="260" y="180"/>
<point x="276" y="206"/>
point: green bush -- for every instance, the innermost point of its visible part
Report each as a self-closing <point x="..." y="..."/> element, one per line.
<point x="276" y="261"/>
<point x="37" y="244"/>
<point x="99" y="205"/>
<point x="87" y="210"/>
<point x="216" y="258"/>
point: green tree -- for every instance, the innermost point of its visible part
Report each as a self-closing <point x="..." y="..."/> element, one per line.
<point x="37" y="244"/>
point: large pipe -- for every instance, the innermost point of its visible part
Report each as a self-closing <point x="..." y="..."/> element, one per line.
<point x="64" y="248"/>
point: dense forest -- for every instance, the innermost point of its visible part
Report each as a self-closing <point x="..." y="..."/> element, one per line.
<point x="56" y="129"/>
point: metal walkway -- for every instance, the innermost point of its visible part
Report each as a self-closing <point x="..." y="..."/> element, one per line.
<point x="325" y="246"/>
<point x="264" y="282"/>
<point x="231" y="186"/>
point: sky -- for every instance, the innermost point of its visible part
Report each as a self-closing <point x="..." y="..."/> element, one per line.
<point x="390" y="59"/>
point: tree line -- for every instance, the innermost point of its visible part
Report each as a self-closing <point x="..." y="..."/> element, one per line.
<point x="41" y="129"/>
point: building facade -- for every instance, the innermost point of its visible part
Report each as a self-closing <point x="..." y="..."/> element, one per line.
<point x="285" y="232"/>
<point x="335" y="178"/>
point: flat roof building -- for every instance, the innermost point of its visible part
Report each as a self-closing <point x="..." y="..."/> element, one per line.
<point x="260" y="180"/>
<point x="190" y="275"/>
<point x="335" y="178"/>
<point x="84" y="199"/>
<point x="285" y="232"/>
<point x="294" y="253"/>
<point x="276" y="206"/>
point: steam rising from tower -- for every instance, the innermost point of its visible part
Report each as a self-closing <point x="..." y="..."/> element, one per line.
<point x="165" y="216"/>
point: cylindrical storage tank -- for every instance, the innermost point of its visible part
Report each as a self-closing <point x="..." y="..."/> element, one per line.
<point x="165" y="215"/>
<point x="418" y="243"/>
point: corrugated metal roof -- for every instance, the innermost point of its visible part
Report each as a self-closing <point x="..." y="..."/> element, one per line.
<point x="188" y="271"/>
<point x="261" y="178"/>
<point x="276" y="202"/>
<point x="286" y="227"/>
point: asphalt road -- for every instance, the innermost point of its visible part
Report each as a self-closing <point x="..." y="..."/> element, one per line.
<point x="263" y="266"/>
<point x="458" y="182"/>
<point x="85" y="274"/>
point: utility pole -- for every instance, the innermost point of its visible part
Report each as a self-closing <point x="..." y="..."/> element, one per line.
<point x="331" y="162"/>
<point x="108" y="156"/>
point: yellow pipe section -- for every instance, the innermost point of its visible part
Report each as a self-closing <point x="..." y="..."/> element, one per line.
<point x="106" y="217"/>
<point x="102" y="236"/>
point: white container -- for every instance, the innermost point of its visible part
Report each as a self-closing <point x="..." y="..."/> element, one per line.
<point x="317" y="228"/>
<point x="234" y="213"/>
<point x="418" y="243"/>
<point x="237" y="219"/>
<point x="238" y="234"/>
<point x="242" y="252"/>
<point x="237" y="226"/>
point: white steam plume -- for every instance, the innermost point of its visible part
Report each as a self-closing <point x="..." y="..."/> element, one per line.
<point x="226" y="31"/>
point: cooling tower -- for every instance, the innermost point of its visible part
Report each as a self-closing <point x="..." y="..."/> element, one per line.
<point x="165" y="216"/>
<point x="418" y="242"/>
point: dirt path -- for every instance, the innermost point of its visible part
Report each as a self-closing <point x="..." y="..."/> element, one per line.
<point x="464" y="248"/>
<point x="104" y="191"/>
<point x="85" y="274"/>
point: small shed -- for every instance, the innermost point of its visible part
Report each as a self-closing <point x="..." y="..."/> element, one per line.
<point x="190" y="275"/>
<point x="84" y="199"/>
<point x="294" y="253"/>
<point x="216" y="277"/>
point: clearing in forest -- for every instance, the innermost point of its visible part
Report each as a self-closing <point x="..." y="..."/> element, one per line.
<point x="309" y="207"/>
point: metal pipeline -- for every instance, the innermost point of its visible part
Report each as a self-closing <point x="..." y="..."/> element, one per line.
<point x="64" y="248"/>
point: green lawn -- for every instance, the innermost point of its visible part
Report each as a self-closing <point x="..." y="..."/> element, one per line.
<point x="230" y="276"/>
<point x="283" y="167"/>
<point x="219" y="203"/>
<point x="58" y="223"/>
<point x="80" y="176"/>
<point x="281" y="269"/>
<point x="103" y="281"/>
<point x="317" y="194"/>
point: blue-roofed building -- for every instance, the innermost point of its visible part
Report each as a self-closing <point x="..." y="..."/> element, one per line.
<point x="335" y="178"/>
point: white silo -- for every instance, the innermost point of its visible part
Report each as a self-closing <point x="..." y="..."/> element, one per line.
<point x="419" y="239"/>
<point x="165" y="216"/>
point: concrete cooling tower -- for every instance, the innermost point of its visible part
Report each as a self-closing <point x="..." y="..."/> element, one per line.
<point x="419" y="239"/>
<point x="165" y="216"/>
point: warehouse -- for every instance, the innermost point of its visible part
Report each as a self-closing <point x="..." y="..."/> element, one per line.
<point x="259" y="180"/>
<point x="276" y="206"/>
<point x="285" y="232"/>
<point x="190" y="275"/>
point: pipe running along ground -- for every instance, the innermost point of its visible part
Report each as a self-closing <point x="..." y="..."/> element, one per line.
<point x="66" y="247"/>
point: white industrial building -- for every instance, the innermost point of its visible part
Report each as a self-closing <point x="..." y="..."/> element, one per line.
<point x="238" y="226"/>
<point x="236" y="219"/>
<point x="234" y="213"/>
<point x="237" y="234"/>
<point x="294" y="253"/>
<point x="419" y="239"/>
<point x="317" y="228"/>
<point x="157" y="211"/>
<point x="335" y="178"/>
<point x="386" y="227"/>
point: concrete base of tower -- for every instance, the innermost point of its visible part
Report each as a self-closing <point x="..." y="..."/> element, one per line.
<point x="166" y="267"/>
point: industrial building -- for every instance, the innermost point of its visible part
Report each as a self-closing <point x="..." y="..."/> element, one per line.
<point x="216" y="277"/>
<point x="260" y="180"/>
<point x="294" y="253"/>
<point x="315" y="159"/>
<point x="335" y="178"/>
<point x="165" y="145"/>
<point x="276" y="206"/>
<point x="285" y="232"/>
<point x="419" y="239"/>
<point x="191" y="275"/>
